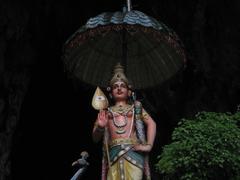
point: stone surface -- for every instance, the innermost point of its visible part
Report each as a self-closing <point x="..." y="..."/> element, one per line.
<point x="31" y="37"/>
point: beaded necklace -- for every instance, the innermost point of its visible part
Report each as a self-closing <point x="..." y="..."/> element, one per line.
<point x="123" y="112"/>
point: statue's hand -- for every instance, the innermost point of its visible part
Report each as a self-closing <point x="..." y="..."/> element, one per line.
<point x="142" y="147"/>
<point x="102" y="119"/>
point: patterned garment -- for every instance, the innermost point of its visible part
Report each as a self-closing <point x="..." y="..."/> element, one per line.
<point x="126" y="164"/>
<point x="122" y="169"/>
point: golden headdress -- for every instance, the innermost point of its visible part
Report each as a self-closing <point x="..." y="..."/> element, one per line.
<point x="118" y="75"/>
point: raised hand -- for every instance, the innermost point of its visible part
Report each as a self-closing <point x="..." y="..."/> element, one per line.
<point x="102" y="119"/>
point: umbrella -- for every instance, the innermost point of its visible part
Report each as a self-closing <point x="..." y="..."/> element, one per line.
<point x="150" y="51"/>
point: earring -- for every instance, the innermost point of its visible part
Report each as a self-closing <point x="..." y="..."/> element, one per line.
<point x="129" y="93"/>
<point x="108" y="89"/>
<point x="110" y="96"/>
<point x="134" y="96"/>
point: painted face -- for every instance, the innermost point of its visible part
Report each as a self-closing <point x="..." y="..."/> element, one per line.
<point x="120" y="90"/>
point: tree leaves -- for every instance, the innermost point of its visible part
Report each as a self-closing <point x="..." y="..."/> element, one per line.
<point x="205" y="147"/>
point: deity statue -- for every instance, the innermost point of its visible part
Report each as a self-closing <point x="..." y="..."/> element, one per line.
<point x="127" y="130"/>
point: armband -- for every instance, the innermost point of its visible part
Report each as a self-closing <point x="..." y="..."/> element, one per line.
<point x="145" y="115"/>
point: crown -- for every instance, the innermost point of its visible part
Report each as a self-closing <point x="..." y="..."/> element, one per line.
<point x="118" y="75"/>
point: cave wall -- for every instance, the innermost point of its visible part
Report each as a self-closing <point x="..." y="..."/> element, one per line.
<point x="31" y="38"/>
<point x="16" y="57"/>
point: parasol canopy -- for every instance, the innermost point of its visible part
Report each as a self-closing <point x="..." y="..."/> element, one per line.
<point x="150" y="52"/>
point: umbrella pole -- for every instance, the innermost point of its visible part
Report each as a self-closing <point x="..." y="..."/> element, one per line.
<point x="124" y="49"/>
<point x="108" y="156"/>
<point x="129" y="5"/>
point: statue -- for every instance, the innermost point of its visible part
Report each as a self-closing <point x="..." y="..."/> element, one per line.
<point x="127" y="129"/>
<point x="82" y="163"/>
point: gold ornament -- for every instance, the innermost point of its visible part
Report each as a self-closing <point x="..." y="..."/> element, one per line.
<point x="118" y="75"/>
<point x="121" y="109"/>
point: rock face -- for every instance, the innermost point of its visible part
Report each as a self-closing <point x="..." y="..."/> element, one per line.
<point x="15" y="58"/>
<point x="10" y="107"/>
<point x="31" y="38"/>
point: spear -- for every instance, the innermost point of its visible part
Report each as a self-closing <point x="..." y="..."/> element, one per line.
<point x="100" y="102"/>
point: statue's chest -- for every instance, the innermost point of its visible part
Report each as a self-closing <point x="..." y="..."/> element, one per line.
<point x="121" y="124"/>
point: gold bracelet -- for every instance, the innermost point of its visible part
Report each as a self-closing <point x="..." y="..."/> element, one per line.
<point x="100" y="129"/>
<point x="149" y="145"/>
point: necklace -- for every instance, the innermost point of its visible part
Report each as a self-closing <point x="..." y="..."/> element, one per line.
<point x="123" y="112"/>
<point x="120" y="124"/>
<point x="121" y="109"/>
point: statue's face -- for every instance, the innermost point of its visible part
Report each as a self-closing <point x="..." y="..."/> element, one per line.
<point x="120" y="91"/>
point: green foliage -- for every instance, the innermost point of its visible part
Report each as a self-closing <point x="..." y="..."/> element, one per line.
<point x="205" y="147"/>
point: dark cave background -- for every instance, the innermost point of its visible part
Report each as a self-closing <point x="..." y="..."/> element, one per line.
<point x="46" y="118"/>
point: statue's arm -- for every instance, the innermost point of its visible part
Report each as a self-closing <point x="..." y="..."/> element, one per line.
<point x="150" y="133"/>
<point x="150" y="128"/>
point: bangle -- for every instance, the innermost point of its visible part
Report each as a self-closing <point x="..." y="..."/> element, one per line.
<point x="100" y="129"/>
<point x="149" y="145"/>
